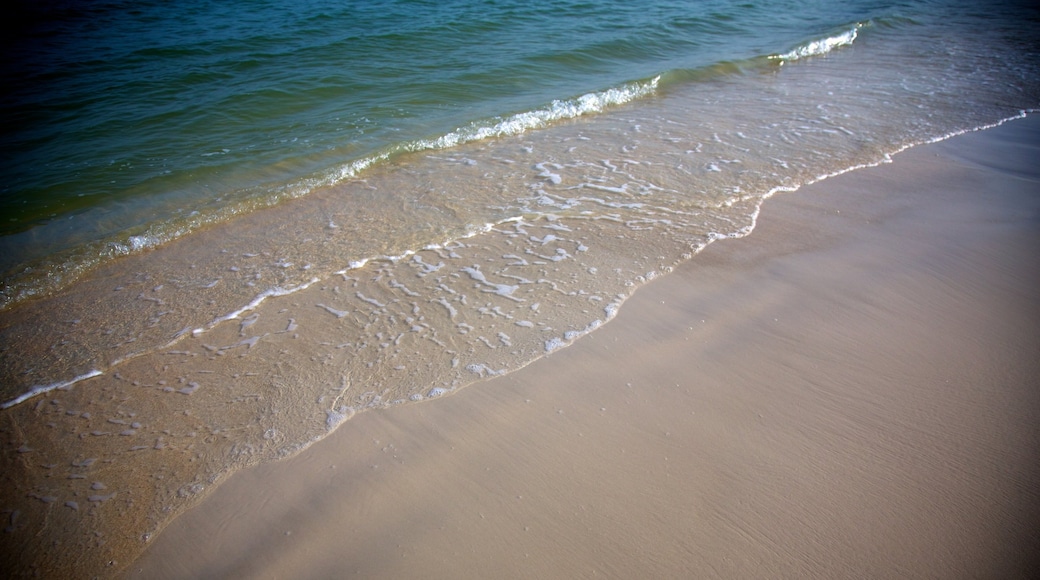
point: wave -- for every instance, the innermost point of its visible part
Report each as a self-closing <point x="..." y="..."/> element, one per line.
<point x="821" y="46"/>
<point x="817" y="47"/>
<point x="516" y="124"/>
<point x="539" y="118"/>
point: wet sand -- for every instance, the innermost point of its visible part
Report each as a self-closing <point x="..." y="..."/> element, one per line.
<point x="850" y="391"/>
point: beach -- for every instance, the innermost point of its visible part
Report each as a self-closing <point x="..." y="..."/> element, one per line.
<point x="676" y="290"/>
<point x="849" y="391"/>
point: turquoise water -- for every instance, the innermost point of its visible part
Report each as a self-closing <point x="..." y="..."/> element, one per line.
<point x="127" y="125"/>
<point x="187" y="101"/>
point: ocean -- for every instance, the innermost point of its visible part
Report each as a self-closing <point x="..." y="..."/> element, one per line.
<point x="225" y="231"/>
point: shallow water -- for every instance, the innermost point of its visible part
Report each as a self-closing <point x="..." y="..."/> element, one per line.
<point x="402" y="276"/>
<point x="130" y="126"/>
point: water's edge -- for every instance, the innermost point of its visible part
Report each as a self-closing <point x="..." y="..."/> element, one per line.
<point x="338" y="420"/>
<point x="187" y="440"/>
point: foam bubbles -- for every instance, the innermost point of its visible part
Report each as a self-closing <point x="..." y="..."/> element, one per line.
<point x="554" y="344"/>
<point x="333" y="418"/>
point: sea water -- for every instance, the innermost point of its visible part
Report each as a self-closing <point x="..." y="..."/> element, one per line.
<point x="225" y="232"/>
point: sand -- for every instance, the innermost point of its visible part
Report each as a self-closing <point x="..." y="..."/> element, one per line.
<point x="849" y="392"/>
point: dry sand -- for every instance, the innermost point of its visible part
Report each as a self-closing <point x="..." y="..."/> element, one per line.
<point x="850" y="392"/>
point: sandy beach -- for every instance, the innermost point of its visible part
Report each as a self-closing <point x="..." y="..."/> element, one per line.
<point x="849" y="392"/>
<point x="476" y="290"/>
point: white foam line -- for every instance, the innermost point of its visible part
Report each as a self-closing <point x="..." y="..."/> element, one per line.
<point x="278" y="291"/>
<point x="886" y="158"/>
<point x="270" y="293"/>
<point x="39" y="390"/>
<point x="358" y="264"/>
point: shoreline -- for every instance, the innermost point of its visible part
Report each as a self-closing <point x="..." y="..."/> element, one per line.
<point x="256" y="299"/>
<point x="846" y="391"/>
